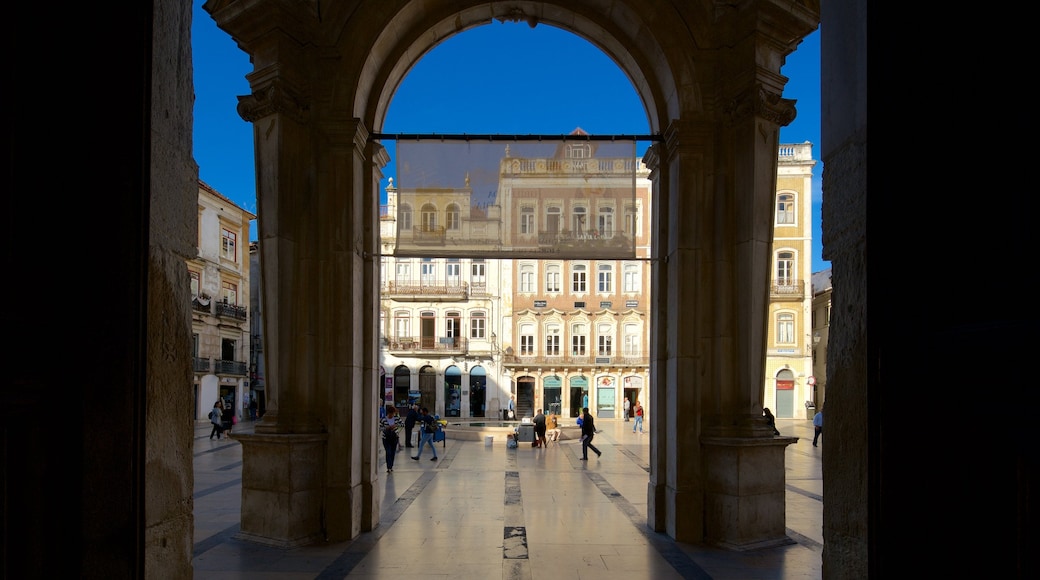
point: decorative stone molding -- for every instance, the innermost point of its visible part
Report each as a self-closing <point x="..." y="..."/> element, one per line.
<point x="276" y="97"/>
<point x="763" y="104"/>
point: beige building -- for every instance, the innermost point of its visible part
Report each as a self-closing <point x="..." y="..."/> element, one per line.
<point x="220" y="331"/>
<point x="821" y="328"/>
<point x="439" y="318"/>
<point x="577" y="330"/>
<point x="789" y="342"/>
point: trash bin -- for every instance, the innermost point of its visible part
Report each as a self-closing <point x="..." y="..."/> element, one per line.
<point x="525" y="433"/>
<point x="489" y="440"/>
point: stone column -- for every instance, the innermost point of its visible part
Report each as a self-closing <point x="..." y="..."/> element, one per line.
<point x="283" y="469"/>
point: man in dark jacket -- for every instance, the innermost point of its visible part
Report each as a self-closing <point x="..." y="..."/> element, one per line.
<point x="409" y="424"/>
<point x="539" y="429"/>
<point x="588" y="430"/>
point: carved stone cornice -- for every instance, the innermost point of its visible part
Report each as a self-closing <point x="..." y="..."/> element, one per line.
<point x="275" y="98"/>
<point x="762" y="104"/>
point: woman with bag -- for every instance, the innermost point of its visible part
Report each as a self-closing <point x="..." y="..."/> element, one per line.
<point x="216" y="417"/>
<point x="388" y="427"/>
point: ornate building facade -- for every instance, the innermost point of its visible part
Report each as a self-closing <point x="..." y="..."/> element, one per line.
<point x="220" y="291"/>
<point x="463" y="335"/>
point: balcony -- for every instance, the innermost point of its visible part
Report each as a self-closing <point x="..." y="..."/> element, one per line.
<point x="576" y="360"/>
<point x="230" y="367"/>
<point x="427" y="345"/>
<point x="406" y="290"/>
<point x="789" y="289"/>
<point x="203" y="305"/>
<point x="201" y="365"/>
<point x="225" y="310"/>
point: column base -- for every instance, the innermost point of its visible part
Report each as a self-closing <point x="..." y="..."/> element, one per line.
<point x="283" y="488"/>
<point x="745" y="492"/>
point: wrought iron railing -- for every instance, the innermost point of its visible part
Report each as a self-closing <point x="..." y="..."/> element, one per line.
<point x="428" y="345"/>
<point x="231" y="367"/>
<point x="225" y="310"/>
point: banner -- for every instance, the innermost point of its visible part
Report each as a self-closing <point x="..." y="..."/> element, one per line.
<point x="572" y="198"/>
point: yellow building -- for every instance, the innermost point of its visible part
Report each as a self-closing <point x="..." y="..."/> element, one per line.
<point x="789" y="344"/>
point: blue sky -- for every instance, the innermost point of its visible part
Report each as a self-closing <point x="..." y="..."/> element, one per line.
<point x="469" y="84"/>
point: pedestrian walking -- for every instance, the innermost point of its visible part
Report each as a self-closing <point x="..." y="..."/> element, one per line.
<point x="216" y="417"/>
<point x="588" y="430"/>
<point x="252" y="409"/>
<point x="628" y="408"/>
<point x="817" y="423"/>
<point x="409" y="424"/>
<point x="770" y="419"/>
<point x="512" y="408"/>
<point x="638" y="425"/>
<point x="426" y="433"/>
<point x="228" y="419"/>
<point x="388" y="427"/>
<point x="539" y="429"/>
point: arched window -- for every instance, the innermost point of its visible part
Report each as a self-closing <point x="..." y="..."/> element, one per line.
<point x="579" y="279"/>
<point x="429" y="218"/>
<point x="452" y="220"/>
<point x="785" y="328"/>
<point x="552" y="278"/>
<point x="785" y="209"/>
<point x="527" y="274"/>
<point x="784" y="268"/>
<point x="578" y="220"/>
<point x="527" y="224"/>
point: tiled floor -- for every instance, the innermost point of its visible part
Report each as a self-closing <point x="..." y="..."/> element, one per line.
<point x="490" y="512"/>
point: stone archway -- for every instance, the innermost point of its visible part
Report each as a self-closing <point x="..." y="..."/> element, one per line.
<point x="709" y="77"/>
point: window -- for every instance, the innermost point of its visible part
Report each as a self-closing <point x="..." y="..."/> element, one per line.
<point x="453" y="272"/>
<point x="605" y="278"/>
<point x="552" y="220"/>
<point x="402" y="324"/>
<point x="552" y="278"/>
<point x="784" y="268"/>
<point x="785" y="328"/>
<point x="631" y="340"/>
<point x="606" y="222"/>
<point x="229" y="292"/>
<point x="552" y="340"/>
<point x="404" y="217"/>
<point x="631" y="224"/>
<point x="578" y="223"/>
<point x="477" y="324"/>
<point x="526" y="339"/>
<point x="404" y="273"/>
<point x="527" y="225"/>
<point x="429" y="218"/>
<point x="478" y="273"/>
<point x="605" y="340"/>
<point x="579" y="279"/>
<point x="579" y="151"/>
<point x="527" y="278"/>
<point x="453" y="326"/>
<point x="451" y="217"/>
<point x="631" y="278"/>
<point x="785" y="209"/>
<point x="228" y="243"/>
<point x="196" y="282"/>
<point x="578" y="333"/>
<point x="427" y="273"/>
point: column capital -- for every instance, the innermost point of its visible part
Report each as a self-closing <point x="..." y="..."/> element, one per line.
<point x="757" y="101"/>
<point x="275" y="97"/>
